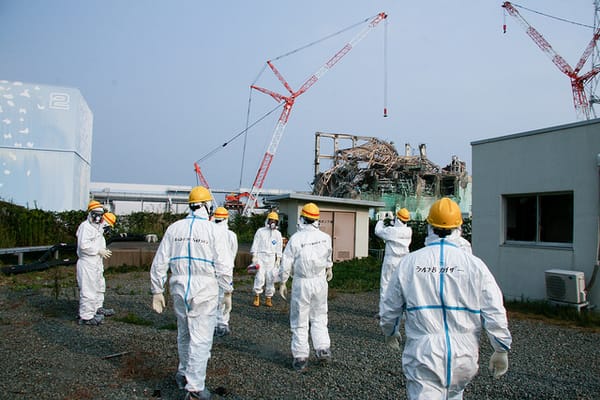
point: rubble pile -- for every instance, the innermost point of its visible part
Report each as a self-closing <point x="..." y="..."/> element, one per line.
<point x="375" y="167"/>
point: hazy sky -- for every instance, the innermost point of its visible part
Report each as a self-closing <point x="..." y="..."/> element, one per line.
<point x="168" y="81"/>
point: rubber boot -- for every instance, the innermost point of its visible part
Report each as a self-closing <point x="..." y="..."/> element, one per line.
<point x="256" y="301"/>
<point x="268" y="302"/>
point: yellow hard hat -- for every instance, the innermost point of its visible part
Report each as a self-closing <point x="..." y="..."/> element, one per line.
<point x="403" y="215"/>
<point x="310" y="211"/>
<point x="199" y="194"/>
<point x="110" y="218"/>
<point x="273" y="215"/>
<point x="221" y="213"/>
<point x="93" y="205"/>
<point x="445" y="213"/>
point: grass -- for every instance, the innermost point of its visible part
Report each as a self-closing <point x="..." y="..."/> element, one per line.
<point x="547" y="312"/>
<point x="169" y="327"/>
<point x="357" y="275"/>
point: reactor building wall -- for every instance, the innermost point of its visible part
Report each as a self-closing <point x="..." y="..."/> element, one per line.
<point x="45" y="146"/>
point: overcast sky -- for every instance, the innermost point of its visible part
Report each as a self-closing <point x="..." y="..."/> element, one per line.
<point x="168" y="81"/>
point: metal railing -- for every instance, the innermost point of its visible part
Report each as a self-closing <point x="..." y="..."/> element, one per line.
<point x="20" y="251"/>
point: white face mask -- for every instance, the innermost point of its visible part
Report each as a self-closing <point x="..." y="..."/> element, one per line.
<point x="273" y="225"/>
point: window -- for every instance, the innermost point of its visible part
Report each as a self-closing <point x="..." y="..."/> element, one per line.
<point x="540" y="218"/>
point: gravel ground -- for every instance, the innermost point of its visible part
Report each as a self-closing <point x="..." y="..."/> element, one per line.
<point x="46" y="355"/>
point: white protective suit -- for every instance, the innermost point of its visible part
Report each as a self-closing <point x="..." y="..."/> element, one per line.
<point x="397" y="239"/>
<point x="266" y="249"/>
<point x="193" y="249"/>
<point x="232" y="248"/>
<point x="448" y="295"/>
<point x="308" y="254"/>
<point x="455" y="237"/>
<point x="90" y="270"/>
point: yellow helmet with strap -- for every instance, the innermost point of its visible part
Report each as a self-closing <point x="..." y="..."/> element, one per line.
<point x="310" y="211"/>
<point x="221" y="213"/>
<point x="110" y="218"/>
<point x="403" y="215"/>
<point x="94" y="205"/>
<point x="199" y="194"/>
<point x="445" y="213"/>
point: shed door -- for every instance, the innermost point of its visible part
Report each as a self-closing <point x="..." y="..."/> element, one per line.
<point x="340" y="226"/>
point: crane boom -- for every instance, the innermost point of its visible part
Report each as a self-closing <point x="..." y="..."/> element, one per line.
<point x="537" y="37"/>
<point x="580" y="99"/>
<point x="201" y="179"/>
<point x="289" y="103"/>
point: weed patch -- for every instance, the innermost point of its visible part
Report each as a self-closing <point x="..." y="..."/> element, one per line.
<point x="134" y="320"/>
<point x="357" y="275"/>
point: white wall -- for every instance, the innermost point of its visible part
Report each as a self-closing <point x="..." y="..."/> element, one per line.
<point x="45" y="146"/>
<point x="563" y="158"/>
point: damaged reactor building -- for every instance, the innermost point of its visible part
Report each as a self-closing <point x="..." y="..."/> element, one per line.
<point x="372" y="169"/>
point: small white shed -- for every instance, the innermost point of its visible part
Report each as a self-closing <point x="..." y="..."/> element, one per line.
<point x="345" y="220"/>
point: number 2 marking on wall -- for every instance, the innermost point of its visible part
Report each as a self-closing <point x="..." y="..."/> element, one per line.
<point x="60" y="101"/>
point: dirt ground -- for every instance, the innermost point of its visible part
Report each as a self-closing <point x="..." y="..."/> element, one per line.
<point x="46" y="355"/>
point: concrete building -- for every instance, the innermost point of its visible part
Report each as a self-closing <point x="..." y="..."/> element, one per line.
<point x="345" y="220"/>
<point x="536" y="206"/>
<point x="45" y="146"/>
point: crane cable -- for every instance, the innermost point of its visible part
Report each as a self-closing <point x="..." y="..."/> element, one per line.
<point x="385" y="67"/>
<point x="289" y="53"/>
<point x="552" y="16"/>
<point x="216" y="149"/>
<point x="323" y="39"/>
<point x="249" y="126"/>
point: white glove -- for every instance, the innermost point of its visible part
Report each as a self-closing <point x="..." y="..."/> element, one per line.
<point x="329" y="274"/>
<point x="498" y="363"/>
<point x="226" y="303"/>
<point x="277" y="261"/>
<point x="104" y="253"/>
<point x="392" y="342"/>
<point x="158" y="302"/>
<point x="254" y="260"/>
<point x="283" y="290"/>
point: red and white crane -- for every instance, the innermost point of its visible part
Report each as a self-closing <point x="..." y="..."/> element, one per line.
<point x="580" y="98"/>
<point x="289" y="103"/>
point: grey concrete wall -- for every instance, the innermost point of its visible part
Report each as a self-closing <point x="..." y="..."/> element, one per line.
<point x="563" y="158"/>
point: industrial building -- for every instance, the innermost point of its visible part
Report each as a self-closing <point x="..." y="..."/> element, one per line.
<point x="45" y="146"/>
<point x="535" y="209"/>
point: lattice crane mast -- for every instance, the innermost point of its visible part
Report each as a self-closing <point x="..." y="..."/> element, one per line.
<point x="580" y="99"/>
<point x="289" y="103"/>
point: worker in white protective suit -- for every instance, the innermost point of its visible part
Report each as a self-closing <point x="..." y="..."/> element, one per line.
<point x="193" y="249"/>
<point x="91" y="249"/>
<point x="266" y="252"/>
<point x="308" y="255"/>
<point x="108" y="223"/>
<point x="397" y="237"/>
<point x="448" y="296"/>
<point x="221" y="218"/>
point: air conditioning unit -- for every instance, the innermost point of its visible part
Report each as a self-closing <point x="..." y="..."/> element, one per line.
<point x="565" y="286"/>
